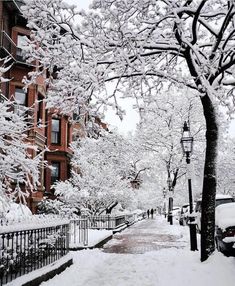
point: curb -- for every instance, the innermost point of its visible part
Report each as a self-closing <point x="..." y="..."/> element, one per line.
<point x="45" y="277"/>
<point x="37" y="276"/>
<point x="97" y="245"/>
<point x="102" y="242"/>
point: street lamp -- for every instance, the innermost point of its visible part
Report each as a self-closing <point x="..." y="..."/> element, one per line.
<point x="187" y="147"/>
<point x="170" y="206"/>
<point x="164" y="202"/>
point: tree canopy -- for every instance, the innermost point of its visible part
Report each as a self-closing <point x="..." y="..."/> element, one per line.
<point x="140" y="45"/>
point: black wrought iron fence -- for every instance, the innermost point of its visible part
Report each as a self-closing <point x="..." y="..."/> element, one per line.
<point x="105" y="221"/>
<point x="24" y="251"/>
<point x="79" y="227"/>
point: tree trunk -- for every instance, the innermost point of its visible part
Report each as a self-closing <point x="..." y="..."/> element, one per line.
<point x="109" y="208"/>
<point x="209" y="182"/>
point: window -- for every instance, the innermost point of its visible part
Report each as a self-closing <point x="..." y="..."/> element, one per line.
<point x="40" y="109"/>
<point x="21" y="101"/>
<point x="55" y="172"/>
<point x="20" y="96"/>
<point x="21" y="44"/>
<point x="55" y="131"/>
<point x="68" y="133"/>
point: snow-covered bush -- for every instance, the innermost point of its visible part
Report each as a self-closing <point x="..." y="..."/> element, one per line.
<point x="57" y="207"/>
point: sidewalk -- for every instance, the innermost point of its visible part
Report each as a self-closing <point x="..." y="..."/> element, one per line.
<point x="149" y="253"/>
<point x="148" y="235"/>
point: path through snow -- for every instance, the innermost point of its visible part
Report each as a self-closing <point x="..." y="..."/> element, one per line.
<point x="155" y="254"/>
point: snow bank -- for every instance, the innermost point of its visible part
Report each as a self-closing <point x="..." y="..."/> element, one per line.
<point x="165" y="267"/>
<point x="94" y="237"/>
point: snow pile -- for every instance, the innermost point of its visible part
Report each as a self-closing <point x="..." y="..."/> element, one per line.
<point x="14" y="211"/>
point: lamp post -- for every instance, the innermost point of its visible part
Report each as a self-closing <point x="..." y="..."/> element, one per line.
<point x="170" y="206"/>
<point x="187" y="147"/>
<point x="164" y="201"/>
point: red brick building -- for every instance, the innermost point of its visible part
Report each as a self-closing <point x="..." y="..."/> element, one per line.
<point x="57" y="131"/>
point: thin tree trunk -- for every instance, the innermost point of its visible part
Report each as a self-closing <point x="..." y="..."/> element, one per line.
<point x="209" y="182"/>
<point x="109" y="208"/>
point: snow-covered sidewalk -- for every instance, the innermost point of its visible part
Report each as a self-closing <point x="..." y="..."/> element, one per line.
<point x="173" y="264"/>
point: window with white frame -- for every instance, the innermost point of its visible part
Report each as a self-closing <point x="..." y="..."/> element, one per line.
<point x="21" y="44"/>
<point x="20" y="101"/>
<point x="55" y="131"/>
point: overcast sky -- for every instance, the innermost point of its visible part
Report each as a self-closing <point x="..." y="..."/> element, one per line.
<point x="81" y="4"/>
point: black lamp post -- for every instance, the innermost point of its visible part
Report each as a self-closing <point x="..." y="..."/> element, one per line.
<point x="187" y="146"/>
<point x="164" y="201"/>
<point x="170" y="206"/>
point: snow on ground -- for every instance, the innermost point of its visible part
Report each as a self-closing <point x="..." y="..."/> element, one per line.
<point x="163" y="267"/>
<point x="94" y="237"/>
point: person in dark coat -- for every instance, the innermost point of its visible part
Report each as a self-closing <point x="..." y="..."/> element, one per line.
<point x="148" y="213"/>
<point x="151" y="213"/>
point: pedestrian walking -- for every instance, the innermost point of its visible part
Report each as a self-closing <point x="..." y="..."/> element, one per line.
<point x="148" y="213"/>
<point x="151" y="213"/>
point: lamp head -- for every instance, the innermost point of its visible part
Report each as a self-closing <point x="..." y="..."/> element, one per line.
<point x="186" y="140"/>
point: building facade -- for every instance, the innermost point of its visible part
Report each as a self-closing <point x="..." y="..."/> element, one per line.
<point x="47" y="127"/>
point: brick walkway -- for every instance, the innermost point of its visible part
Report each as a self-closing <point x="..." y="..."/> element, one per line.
<point x="147" y="235"/>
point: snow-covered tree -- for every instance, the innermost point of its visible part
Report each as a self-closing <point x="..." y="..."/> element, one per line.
<point x="160" y="130"/>
<point x="226" y="167"/>
<point x="101" y="175"/>
<point x="19" y="171"/>
<point x="143" y="43"/>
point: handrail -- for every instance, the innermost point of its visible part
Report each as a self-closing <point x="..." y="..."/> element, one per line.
<point x="11" y="48"/>
<point x="8" y="37"/>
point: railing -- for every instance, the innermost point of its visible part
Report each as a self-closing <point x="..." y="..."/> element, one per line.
<point x="78" y="232"/>
<point x="130" y="218"/>
<point x="142" y="215"/>
<point x="79" y="228"/>
<point x="105" y="221"/>
<point x="11" y="48"/>
<point x="26" y="250"/>
<point x="28" y="245"/>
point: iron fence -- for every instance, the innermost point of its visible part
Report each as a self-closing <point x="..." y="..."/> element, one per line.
<point x="105" y="221"/>
<point x="79" y="227"/>
<point x="24" y="247"/>
<point x="26" y="250"/>
<point x="78" y="232"/>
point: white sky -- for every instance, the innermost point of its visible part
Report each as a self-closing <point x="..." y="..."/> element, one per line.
<point x="81" y="4"/>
